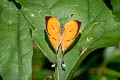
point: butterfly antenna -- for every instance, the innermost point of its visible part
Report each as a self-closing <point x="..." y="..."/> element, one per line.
<point x="56" y="60"/>
<point x="63" y="65"/>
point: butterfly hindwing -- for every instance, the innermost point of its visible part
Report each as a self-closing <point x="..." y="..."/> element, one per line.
<point x="71" y="31"/>
<point x="53" y="31"/>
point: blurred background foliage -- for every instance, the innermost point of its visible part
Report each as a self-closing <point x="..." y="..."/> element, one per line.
<point x="101" y="64"/>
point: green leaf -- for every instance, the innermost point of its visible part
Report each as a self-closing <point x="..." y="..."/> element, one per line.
<point x="116" y="9"/>
<point x="98" y="28"/>
<point x="15" y="44"/>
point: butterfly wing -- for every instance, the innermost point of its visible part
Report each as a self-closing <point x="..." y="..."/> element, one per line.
<point x="71" y="30"/>
<point x="53" y="31"/>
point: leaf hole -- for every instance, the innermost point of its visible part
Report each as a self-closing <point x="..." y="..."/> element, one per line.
<point x="72" y="14"/>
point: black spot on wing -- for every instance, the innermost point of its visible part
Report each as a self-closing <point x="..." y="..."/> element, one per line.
<point x="70" y="30"/>
<point x="54" y="38"/>
<point x="52" y="27"/>
<point x="68" y="40"/>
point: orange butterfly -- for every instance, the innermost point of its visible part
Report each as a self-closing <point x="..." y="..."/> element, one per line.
<point x="62" y="35"/>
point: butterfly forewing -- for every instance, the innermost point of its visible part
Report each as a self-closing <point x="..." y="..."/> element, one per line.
<point x="53" y="31"/>
<point x="71" y="30"/>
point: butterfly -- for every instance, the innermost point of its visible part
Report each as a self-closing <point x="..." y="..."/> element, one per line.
<point x="63" y="36"/>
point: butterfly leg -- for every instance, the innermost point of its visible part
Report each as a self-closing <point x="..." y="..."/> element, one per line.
<point x="55" y="64"/>
<point x="63" y="59"/>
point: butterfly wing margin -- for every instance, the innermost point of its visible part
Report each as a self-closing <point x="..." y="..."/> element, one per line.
<point x="71" y="31"/>
<point x="53" y="31"/>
